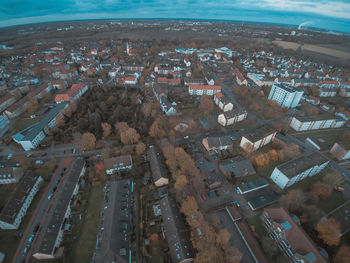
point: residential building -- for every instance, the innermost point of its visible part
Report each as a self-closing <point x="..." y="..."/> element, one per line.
<point x="315" y="122"/>
<point x="18" y="108"/>
<point x="285" y="95"/>
<point x="257" y="139"/>
<point x="167" y="107"/>
<point x="288" y="173"/>
<point x="283" y="81"/>
<point x="256" y="184"/>
<point x="74" y="93"/>
<point x="195" y="82"/>
<point x="18" y="204"/>
<point x="340" y="152"/>
<point x="330" y="84"/>
<point x="31" y="137"/>
<point x="237" y="166"/>
<point x="4" y="124"/>
<point x="56" y="220"/>
<point x="158" y="169"/>
<point x="113" y="242"/>
<point x="260" y="79"/>
<point x="344" y="92"/>
<point x="118" y="164"/>
<point x="241" y="80"/>
<point x="10" y="175"/>
<point x="217" y="143"/>
<point x="6" y="101"/>
<point x="230" y="117"/>
<point x="304" y="82"/>
<point x="289" y="236"/>
<point x="324" y="92"/>
<point x="174" y="230"/>
<point x="223" y="102"/>
<point x="203" y="90"/>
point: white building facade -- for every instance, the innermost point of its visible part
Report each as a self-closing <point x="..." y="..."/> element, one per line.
<point x="305" y="124"/>
<point x="285" y="96"/>
<point x="201" y="90"/>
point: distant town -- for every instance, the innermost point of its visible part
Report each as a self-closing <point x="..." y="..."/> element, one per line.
<point x="174" y="141"/>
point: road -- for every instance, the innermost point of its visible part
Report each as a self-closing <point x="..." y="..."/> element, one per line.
<point x="25" y="244"/>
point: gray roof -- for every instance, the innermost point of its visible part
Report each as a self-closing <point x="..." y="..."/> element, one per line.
<point x="14" y="205"/>
<point x="114" y="241"/>
<point x="156" y="161"/>
<point x="175" y="231"/>
<point x="118" y="162"/>
<point x="261" y="198"/>
<point x="32" y="131"/>
<point x="259" y="133"/>
<point x="219" y="141"/>
<point x="54" y="219"/>
<point x="253" y="185"/>
<point x="300" y="164"/>
<point x="234" y="113"/>
<point x="239" y="166"/>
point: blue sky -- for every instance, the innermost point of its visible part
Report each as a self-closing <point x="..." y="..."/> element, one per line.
<point x="326" y="14"/>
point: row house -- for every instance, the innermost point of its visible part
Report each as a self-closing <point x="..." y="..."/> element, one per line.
<point x="223" y="102"/>
<point x="291" y="239"/>
<point x="257" y="139"/>
<point x="132" y="67"/>
<point x="304" y="82"/>
<point x="18" y="204"/>
<point x="324" y="92"/>
<point x="169" y="81"/>
<point x="31" y="137"/>
<point x="340" y="152"/>
<point x="203" y="90"/>
<point x="18" y="108"/>
<point x="232" y="116"/>
<point x="159" y="172"/>
<point x="218" y="143"/>
<point x="241" y="80"/>
<point x="6" y="101"/>
<point x="10" y="175"/>
<point x="329" y="84"/>
<point x="316" y="122"/>
<point x="118" y="164"/>
<point x="191" y="81"/>
<point x="260" y="79"/>
<point x="293" y="171"/>
<point x="49" y="238"/>
<point x="74" y="93"/>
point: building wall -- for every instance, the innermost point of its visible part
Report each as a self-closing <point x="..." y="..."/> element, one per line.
<point x="317" y="124"/>
<point x="284" y="97"/>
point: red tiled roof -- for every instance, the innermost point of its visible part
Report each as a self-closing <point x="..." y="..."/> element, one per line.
<point x="330" y="82"/>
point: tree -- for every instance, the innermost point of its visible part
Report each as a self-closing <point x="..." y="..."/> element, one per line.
<point x="329" y="231"/>
<point x="322" y="190"/>
<point x="100" y="169"/>
<point x="156" y="130"/>
<point x="189" y="206"/>
<point x="294" y="200"/>
<point x="223" y="238"/>
<point x="343" y="255"/>
<point x="333" y="179"/>
<point x="206" y="104"/>
<point x="88" y="141"/>
<point x="269" y="247"/>
<point x="140" y="148"/>
<point x="130" y="136"/>
<point x="121" y="127"/>
<point x="180" y="182"/>
<point x="106" y="129"/>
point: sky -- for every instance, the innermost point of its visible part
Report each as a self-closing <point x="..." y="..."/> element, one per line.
<point x="331" y="15"/>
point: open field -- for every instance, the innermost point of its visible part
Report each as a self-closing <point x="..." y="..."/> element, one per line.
<point x="286" y="44"/>
<point x="326" y="51"/>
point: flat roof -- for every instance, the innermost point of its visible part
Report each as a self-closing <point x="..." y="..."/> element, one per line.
<point x="261" y="197"/>
<point x="175" y="231"/>
<point x="118" y="162"/>
<point x="318" y="117"/>
<point x="114" y="242"/>
<point x="54" y="219"/>
<point x="238" y="165"/>
<point x="14" y="205"/>
<point x="251" y="185"/>
<point x="300" y="164"/>
<point x="259" y="133"/>
<point x="219" y="141"/>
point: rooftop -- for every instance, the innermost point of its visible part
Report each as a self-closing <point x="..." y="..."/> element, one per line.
<point x="118" y="162"/>
<point x="259" y="133"/>
<point x="156" y="161"/>
<point x="239" y="166"/>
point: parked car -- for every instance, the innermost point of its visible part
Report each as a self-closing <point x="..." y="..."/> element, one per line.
<point x="33" y="116"/>
<point x="203" y="197"/>
<point x="50" y="196"/>
<point x="217" y="192"/>
<point x="237" y="204"/>
<point x="9" y="156"/>
<point x="209" y="194"/>
<point x="74" y="150"/>
<point x="39" y="162"/>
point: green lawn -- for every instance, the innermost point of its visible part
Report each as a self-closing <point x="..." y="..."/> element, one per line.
<point x="327" y="138"/>
<point x="332" y="202"/>
<point x="86" y="239"/>
<point x="257" y="223"/>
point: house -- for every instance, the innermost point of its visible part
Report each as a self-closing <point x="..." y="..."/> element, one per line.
<point x="6" y="101"/>
<point x="130" y="80"/>
<point x="330" y="84"/>
<point x="217" y="143"/>
<point x="324" y="92"/>
<point x="230" y="117"/>
<point x="340" y="152"/>
<point x="118" y="164"/>
<point x="30" y="137"/>
<point x="74" y="93"/>
<point x="288" y="173"/>
<point x="4" y="124"/>
<point x="18" y="204"/>
<point x="175" y="232"/>
<point x="314" y="122"/>
<point x="280" y="80"/>
<point x="285" y="96"/>
<point x="50" y="235"/>
<point x="237" y="166"/>
<point x="167" y="107"/>
<point x="195" y="82"/>
<point x="241" y="80"/>
<point x="289" y="236"/>
<point x="257" y="139"/>
<point x="10" y="175"/>
<point x="304" y="82"/>
<point x="158" y="169"/>
<point x="203" y="90"/>
<point x="260" y="79"/>
<point x="112" y="245"/>
<point x="344" y="92"/>
<point x="223" y="102"/>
